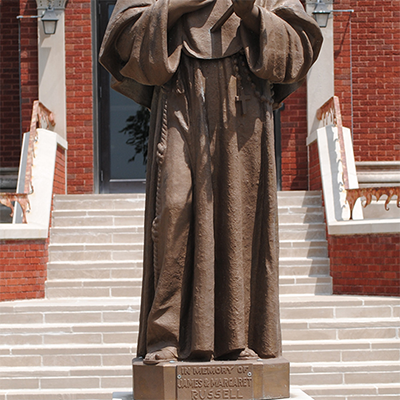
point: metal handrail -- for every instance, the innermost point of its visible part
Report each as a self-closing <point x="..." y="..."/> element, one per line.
<point x="42" y="117"/>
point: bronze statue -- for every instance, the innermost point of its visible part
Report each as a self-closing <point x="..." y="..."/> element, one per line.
<point x="210" y="282"/>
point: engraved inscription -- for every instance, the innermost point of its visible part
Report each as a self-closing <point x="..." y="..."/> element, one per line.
<point x="221" y="381"/>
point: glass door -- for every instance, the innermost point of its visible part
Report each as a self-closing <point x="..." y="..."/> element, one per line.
<point x="123" y="129"/>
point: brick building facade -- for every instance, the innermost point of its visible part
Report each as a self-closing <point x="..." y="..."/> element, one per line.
<point x="366" y="64"/>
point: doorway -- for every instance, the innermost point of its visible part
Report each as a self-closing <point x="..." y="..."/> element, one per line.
<point x="121" y="166"/>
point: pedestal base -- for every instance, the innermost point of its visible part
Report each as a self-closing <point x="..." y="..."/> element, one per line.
<point x="220" y="380"/>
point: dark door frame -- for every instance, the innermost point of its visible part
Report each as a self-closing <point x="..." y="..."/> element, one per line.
<point x="103" y="96"/>
<point x="106" y="184"/>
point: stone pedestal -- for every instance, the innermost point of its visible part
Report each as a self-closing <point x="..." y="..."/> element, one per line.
<point x="295" y="394"/>
<point x="231" y="380"/>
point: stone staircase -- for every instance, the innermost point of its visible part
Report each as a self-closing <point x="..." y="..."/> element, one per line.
<point x="304" y="262"/>
<point x="77" y="344"/>
<point x="96" y="246"/>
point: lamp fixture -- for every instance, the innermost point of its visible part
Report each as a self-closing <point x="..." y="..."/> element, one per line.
<point x="321" y="13"/>
<point x="49" y="20"/>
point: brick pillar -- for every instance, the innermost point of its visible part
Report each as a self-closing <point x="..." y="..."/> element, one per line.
<point x="29" y="61"/>
<point x="293" y="139"/>
<point x="314" y="169"/>
<point x="376" y="85"/>
<point x="79" y="96"/>
<point x="10" y="144"/>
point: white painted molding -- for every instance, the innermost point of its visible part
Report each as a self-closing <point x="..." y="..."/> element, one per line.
<point x="365" y="227"/>
<point x="336" y="209"/>
<point x="44" y="162"/>
<point x="56" y="4"/>
<point x="52" y="78"/>
<point x="320" y="78"/>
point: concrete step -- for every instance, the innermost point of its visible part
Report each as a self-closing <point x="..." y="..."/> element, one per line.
<point x="344" y="302"/>
<point x="299" y="199"/>
<point x="345" y="373"/>
<point x="94" y="270"/>
<point x="300" y="215"/>
<point x="304" y="285"/>
<point x="292" y="232"/>
<point x="324" y="373"/>
<point x="62" y="377"/>
<point x="64" y="394"/>
<point x="340" y="329"/>
<point x="343" y="353"/>
<point x="107" y="355"/>
<point x="304" y="266"/>
<point x="83" y="236"/>
<point x="127" y="282"/>
<point x="93" y="288"/>
<point x="116" y="202"/>
<point x="338" y="341"/>
<point x="95" y="252"/>
<point x="65" y="218"/>
<point x="134" y="233"/>
<point x="367" y="345"/>
<point x="296" y="199"/>
<point x="286" y="200"/>
<point x="308" y="331"/>
<point x="365" y="391"/>
<point x="292" y="308"/>
<point x="303" y="248"/>
<point x="98" y="234"/>
<point x="69" y="334"/>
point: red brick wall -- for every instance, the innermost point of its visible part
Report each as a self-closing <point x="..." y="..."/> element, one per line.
<point x="59" y="172"/>
<point x="365" y="264"/>
<point x="78" y="42"/>
<point x="375" y="27"/>
<point x="293" y="139"/>
<point x="314" y="169"/>
<point x="9" y="85"/>
<point x="23" y="270"/>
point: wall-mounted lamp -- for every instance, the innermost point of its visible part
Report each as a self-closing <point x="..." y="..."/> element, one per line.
<point x="49" y="17"/>
<point x="49" y="20"/>
<point x="321" y="13"/>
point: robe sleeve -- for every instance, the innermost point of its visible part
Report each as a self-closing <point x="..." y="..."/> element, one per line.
<point x="150" y="52"/>
<point x="287" y="45"/>
<point x="138" y="50"/>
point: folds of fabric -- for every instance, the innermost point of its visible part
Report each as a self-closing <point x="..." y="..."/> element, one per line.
<point x="210" y="275"/>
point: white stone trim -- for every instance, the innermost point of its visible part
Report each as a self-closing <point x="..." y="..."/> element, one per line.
<point x="44" y="162"/>
<point x="365" y="227"/>
<point x="336" y="209"/>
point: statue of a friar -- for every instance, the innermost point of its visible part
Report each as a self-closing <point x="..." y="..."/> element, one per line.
<point x="210" y="279"/>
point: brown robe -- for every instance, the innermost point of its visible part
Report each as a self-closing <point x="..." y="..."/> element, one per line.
<point x="210" y="281"/>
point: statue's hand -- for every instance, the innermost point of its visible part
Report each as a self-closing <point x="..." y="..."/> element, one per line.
<point x="243" y="8"/>
<point x="186" y="6"/>
<point x="248" y="12"/>
<point x="177" y="8"/>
